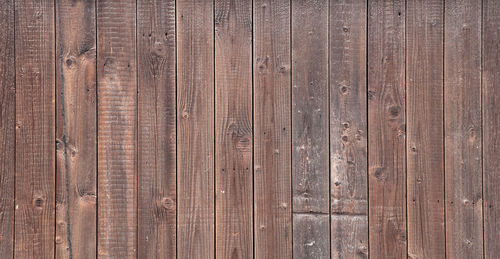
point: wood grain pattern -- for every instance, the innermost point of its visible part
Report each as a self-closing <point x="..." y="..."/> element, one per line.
<point x="348" y="127"/>
<point x="310" y="236"/>
<point x="117" y="129"/>
<point x="491" y="126"/>
<point x="272" y="125"/>
<point x="195" y="129"/>
<point x="156" y="129"/>
<point x="462" y="111"/>
<point x="387" y="138"/>
<point x="7" y="128"/>
<point x="76" y="215"/>
<point x="35" y="130"/>
<point x="424" y="95"/>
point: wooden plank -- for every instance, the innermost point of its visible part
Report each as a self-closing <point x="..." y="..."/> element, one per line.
<point x="462" y="111"/>
<point x="35" y="130"/>
<point x="348" y="127"/>
<point x="424" y="95"/>
<point x="272" y="125"/>
<point x="490" y="126"/>
<point x="233" y="129"/>
<point x="195" y="129"/>
<point x="117" y="129"/>
<point x="76" y="215"/>
<point x="7" y="128"/>
<point x="387" y="138"/>
<point x="156" y="129"/>
<point x="310" y="174"/>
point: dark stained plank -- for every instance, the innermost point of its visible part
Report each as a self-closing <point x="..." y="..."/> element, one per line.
<point x="272" y="125"/>
<point x="195" y="129"/>
<point x="35" y="129"/>
<point x="310" y="173"/>
<point x="117" y="129"/>
<point x="424" y="96"/>
<point x="348" y="127"/>
<point x="7" y="128"/>
<point x="462" y="111"/>
<point x="233" y="129"/>
<point x="76" y="215"/>
<point x="387" y="138"/>
<point x="156" y="129"/>
<point x="491" y="126"/>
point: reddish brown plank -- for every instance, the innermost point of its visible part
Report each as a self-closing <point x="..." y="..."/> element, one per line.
<point x="348" y="129"/>
<point x="195" y="129"/>
<point x="272" y="125"/>
<point x="35" y="129"/>
<point x="117" y="129"/>
<point x="156" y="129"/>
<point x="387" y="138"/>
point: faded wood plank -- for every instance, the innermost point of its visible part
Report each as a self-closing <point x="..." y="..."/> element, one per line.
<point x="387" y="126"/>
<point x="462" y="111"/>
<point x="35" y="130"/>
<point x="424" y="95"/>
<point x="7" y="128"/>
<point x="310" y="174"/>
<point x="491" y="126"/>
<point x="272" y="125"/>
<point x="156" y="129"/>
<point x="348" y="127"/>
<point x="117" y="129"/>
<point x="195" y="129"/>
<point x="233" y="129"/>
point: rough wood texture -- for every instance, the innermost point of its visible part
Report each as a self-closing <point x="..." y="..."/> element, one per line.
<point x="424" y="95"/>
<point x="348" y="157"/>
<point x="233" y="127"/>
<point x="387" y="138"/>
<point x="156" y="129"/>
<point x="272" y="125"/>
<point x="491" y="126"/>
<point x="462" y="111"/>
<point x="35" y="130"/>
<point x="195" y="129"/>
<point x="7" y="128"/>
<point x="310" y="236"/>
<point x="117" y="129"/>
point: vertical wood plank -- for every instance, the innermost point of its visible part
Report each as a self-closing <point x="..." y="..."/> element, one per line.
<point x="117" y="129"/>
<point x="272" y="125"/>
<point x="35" y="130"/>
<point x="233" y="129"/>
<point x="156" y="129"/>
<point x="491" y="124"/>
<point x="195" y="129"/>
<point x="310" y="174"/>
<point x="7" y="128"/>
<point x="462" y="111"/>
<point x="387" y="140"/>
<point x="424" y="95"/>
<point x="76" y="129"/>
<point x="348" y="127"/>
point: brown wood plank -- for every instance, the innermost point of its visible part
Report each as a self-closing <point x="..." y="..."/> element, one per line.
<point x="156" y="129"/>
<point x="117" y="129"/>
<point x="76" y="129"/>
<point x="195" y="129"/>
<point x="310" y="173"/>
<point x="233" y="129"/>
<point x="424" y="95"/>
<point x="387" y="138"/>
<point x="272" y="125"/>
<point x="462" y="111"/>
<point x="7" y="128"/>
<point x="35" y="129"/>
<point x="348" y="127"/>
<point x="491" y="126"/>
